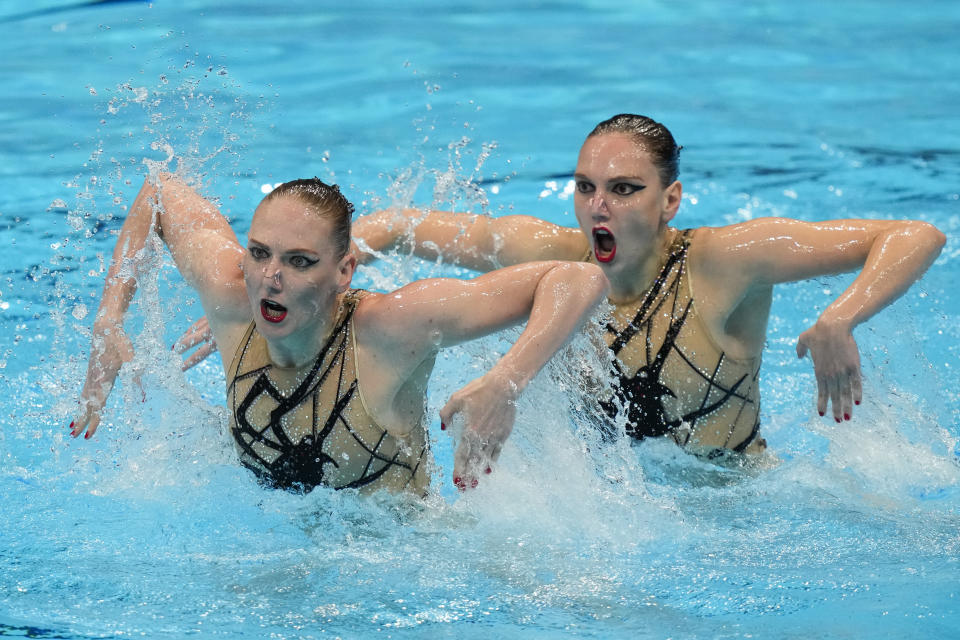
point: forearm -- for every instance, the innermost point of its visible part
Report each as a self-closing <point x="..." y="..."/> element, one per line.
<point x="897" y="259"/>
<point x="121" y="281"/>
<point x="464" y="239"/>
<point x="425" y="233"/>
<point x="565" y="297"/>
<point x="109" y="346"/>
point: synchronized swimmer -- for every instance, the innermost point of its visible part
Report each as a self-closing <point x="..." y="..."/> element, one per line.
<point x="327" y="384"/>
<point x="690" y="305"/>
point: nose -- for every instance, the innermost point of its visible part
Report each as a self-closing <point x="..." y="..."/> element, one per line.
<point x="271" y="273"/>
<point x="598" y="206"/>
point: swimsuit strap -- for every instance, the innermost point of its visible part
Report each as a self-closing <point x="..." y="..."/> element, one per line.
<point x="677" y="252"/>
<point x="301" y="439"/>
<point x="664" y="311"/>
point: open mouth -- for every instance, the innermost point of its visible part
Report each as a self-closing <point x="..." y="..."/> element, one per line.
<point x="271" y="311"/>
<point x="604" y="244"/>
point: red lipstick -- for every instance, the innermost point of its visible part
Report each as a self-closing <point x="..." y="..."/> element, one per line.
<point x="604" y="244"/>
<point x="272" y="312"/>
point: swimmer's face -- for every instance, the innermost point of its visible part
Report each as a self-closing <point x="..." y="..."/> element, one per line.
<point x="620" y="204"/>
<point x="291" y="269"/>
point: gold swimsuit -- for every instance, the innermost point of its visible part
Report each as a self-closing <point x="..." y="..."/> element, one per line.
<point x="671" y="377"/>
<point x="297" y="428"/>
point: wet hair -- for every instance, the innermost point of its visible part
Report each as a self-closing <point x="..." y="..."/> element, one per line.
<point x="326" y="201"/>
<point x="655" y="139"/>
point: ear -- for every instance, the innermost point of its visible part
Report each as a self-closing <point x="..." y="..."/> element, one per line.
<point x="672" y="196"/>
<point x="345" y="269"/>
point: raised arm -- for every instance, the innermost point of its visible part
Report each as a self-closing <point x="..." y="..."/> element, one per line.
<point x="206" y="252"/>
<point x="891" y="256"/>
<point x="478" y="242"/>
<point x="554" y="297"/>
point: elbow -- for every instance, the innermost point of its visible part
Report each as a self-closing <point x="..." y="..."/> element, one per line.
<point x="385" y="226"/>
<point x="403" y="218"/>
<point x="599" y="280"/>
<point x="161" y="179"/>
<point x="590" y="279"/>
<point x="939" y="238"/>
<point x="929" y="236"/>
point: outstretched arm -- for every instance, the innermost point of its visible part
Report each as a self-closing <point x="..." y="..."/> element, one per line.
<point x="206" y="252"/>
<point x="891" y="256"/>
<point x="478" y="242"/>
<point x="898" y="257"/>
<point x="556" y="297"/>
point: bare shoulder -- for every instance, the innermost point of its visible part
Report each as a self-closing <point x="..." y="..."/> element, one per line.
<point x="391" y="342"/>
<point x="715" y="244"/>
<point x="711" y="252"/>
<point x="731" y="306"/>
<point x="379" y="319"/>
<point x="738" y="253"/>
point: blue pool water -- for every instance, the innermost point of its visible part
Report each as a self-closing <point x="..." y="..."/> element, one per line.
<point x="152" y="530"/>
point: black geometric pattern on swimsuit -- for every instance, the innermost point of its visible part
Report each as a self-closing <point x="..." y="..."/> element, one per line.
<point x="299" y="466"/>
<point x="642" y="393"/>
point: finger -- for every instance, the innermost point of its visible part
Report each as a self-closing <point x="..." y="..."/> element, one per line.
<point x="846" y="397"/>
<point x="448" y="411"/>
<point x="92" y="426"/>
<point x="801" y="348"/>
<point x="857" y="384"/>
<point x="834" y="388"/>
<point x="466" y="461"/>
<point x="187" y="340"/>
<point x="851" y="391"/>
<point x="88" y="421"/>
<point x="488" y="458"/>
<point x="198" y="356"/>
<point x="492" y="447"/>
<point x="467" y="453"/>
<point x="823" y="394"/>
<point x="198" y="332"/>
<point x="79" y="423"/>
<point x="495" y="452"/>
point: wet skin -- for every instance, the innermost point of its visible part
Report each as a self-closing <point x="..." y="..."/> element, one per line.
<point x="623" y="209"/>
<point x="293" y="276"/>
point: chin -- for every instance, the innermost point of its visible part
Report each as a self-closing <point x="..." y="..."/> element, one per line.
<point x="270" y="329"/>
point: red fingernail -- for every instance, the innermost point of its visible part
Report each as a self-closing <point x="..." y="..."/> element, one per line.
<point x="71" y="425"/>
<point x="489" y="470"/>
<point x="821" y="413"/>
<point x="86" y="436"/>
<point x="846" y="416"/>
<point x="856" y="402"/>
<point x="443" y="427"/>
<point x="473" y="483"/>
<point x="457" y="480"/>
<point x="838" y="420"/>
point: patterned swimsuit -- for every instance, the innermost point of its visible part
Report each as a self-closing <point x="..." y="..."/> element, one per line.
<point x="664" y="346"/>
<point x="297" y="428"/>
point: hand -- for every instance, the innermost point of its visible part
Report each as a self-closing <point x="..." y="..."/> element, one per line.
<point x="836" y="363"/>
<point x="111" y="349"/>
<point x="198" y="334"/>
<point x="489" y="406"/>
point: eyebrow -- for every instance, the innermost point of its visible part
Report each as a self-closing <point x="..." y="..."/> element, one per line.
<point x="613" y="179"/>
<point x="266" y="246"/>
